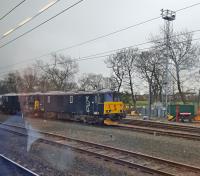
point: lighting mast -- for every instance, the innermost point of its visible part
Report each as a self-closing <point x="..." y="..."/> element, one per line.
<point x="168" y="16"/>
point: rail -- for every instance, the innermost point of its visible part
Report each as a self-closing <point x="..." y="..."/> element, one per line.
<point x="10" y="167"/>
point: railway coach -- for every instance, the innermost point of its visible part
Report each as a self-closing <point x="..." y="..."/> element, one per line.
<point x="87" y="106"/>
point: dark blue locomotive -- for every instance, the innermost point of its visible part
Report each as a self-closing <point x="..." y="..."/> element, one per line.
<point x="89" y="106"/>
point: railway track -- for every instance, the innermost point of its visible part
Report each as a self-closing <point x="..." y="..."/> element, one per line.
<point x="9" y="167"/>
<point x="162" y="125"/>
<point x="141" y="162"/>
<point x="156" y="128"/>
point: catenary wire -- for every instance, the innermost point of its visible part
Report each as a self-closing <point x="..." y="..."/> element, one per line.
<point x="30" y="19"/>
<point x="184" y="8"/>
<point x="96" y="57"/>
<point x="5" y="15"/>
<point x="105" y="52"/>
<point x="97" y="38"/>
<point x="66" y="9"/>
<point x="108" y="35"/>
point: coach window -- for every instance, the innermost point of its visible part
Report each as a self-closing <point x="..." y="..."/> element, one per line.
<point x="49" y="99"/>
<point x="71" y="99"/>
<point x="31" y="100"/>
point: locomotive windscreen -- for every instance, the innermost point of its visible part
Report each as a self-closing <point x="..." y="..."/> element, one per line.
<point x="109" y="97"/>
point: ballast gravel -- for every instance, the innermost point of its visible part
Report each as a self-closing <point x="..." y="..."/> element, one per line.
<point x="172" y="148"/>
<point x="49" y="160"/>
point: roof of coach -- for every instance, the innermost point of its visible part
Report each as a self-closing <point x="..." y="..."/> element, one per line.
<point x="10" y="94"/>
<point x="61" y="93"/>
<point x="22" y="94"/>
<point x="78" y="92"/>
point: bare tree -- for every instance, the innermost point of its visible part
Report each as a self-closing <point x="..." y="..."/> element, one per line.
<point x="3" y="88"/>
<point x="60" y="73"/>
<point x="115" y="63"/>
<point x="43" y="83"/>
<point x="92" y="81"/>
<point x="13" y="82"/>
<point x="123" y="68"/>
<point x="129" y="59"/>
<point x="183" y="56"/>
<point x="30" y="79"/>
<point x="110" y="83"/>
<point x="149" y="66"/>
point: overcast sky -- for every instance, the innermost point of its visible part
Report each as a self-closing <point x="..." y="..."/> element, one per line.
<point x="90" y="19"/>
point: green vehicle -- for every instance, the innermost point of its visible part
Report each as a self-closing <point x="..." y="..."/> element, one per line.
<point x="181" y="112"/>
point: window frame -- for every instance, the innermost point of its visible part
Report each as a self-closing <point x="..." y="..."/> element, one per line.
<point x="48" y="99"/>
<point x="71" y="99"/>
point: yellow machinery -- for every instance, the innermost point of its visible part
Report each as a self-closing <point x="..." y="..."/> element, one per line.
<point x="170" y="117"/>
<point x="197" y="118"/>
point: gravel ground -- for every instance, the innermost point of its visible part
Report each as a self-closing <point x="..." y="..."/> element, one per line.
<point x="176" y="149"/>
<point x="51" y="160"/>
<point x="15" y="148"/>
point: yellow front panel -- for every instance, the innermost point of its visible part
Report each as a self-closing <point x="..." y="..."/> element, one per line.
<point x="113" y="107"/>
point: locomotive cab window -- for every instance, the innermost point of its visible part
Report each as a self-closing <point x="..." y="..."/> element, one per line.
<point x="71" y="99"/>
<point x="108" y="97"/>
<point x="116" y="97"/>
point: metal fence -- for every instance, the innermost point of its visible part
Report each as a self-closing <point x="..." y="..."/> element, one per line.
<point x="155" y="111"/>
